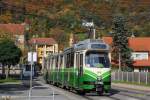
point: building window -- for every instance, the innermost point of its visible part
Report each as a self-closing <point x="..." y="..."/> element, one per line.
<point x="140" y="55"/>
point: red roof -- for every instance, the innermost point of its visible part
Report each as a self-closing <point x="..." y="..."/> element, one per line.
<point x="41" y="41"/>
<point x="138" y="44"/>
<point x="107" y="40"/>
<point x="17" y="29"/>
<point x="141" y="63"/>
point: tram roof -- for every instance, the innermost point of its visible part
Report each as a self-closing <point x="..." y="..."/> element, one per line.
<point x="89" y="44"/>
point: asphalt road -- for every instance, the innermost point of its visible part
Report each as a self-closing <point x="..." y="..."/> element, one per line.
<point x="46" y="92"/>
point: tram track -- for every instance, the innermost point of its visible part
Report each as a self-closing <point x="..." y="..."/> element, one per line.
<point x="116" y="94"/>
<point x="121" y="95"/>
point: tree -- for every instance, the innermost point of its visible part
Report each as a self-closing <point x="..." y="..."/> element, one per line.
<point x="9" y="54"/>
<point x="5" y="34"/>
<point x="120" y="43"/>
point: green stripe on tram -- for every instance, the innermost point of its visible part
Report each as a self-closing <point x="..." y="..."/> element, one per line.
<point x="106" y="74"/>
<point x="94" y="75"/>
<point x="90" y="73"/>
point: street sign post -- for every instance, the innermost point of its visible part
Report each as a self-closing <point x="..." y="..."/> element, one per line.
<point x="32" y="57"/>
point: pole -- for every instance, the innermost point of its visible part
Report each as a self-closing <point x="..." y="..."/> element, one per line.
<point x="31" y="76"/>
<point x="146" y="77"/>
<point x="94" y="33"/>
<point x="119" y="61"/>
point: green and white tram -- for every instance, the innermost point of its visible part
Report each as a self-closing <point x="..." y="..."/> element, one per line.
<point x="84" y="67"/>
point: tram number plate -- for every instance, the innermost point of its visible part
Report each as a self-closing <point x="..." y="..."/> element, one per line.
<point x="99" y="83"/>
<point x="99" y="87"/>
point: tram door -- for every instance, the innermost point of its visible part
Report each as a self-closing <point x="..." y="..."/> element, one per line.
<point x="79" y="59"/>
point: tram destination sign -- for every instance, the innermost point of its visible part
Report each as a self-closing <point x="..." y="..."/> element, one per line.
<point x="98" y="46"/>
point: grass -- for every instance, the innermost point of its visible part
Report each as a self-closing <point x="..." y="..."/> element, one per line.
<point x="133" y="83"/>
<point x="8" y="80"/>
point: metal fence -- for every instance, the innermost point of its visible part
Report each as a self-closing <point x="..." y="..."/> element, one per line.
<point x="133" y="77"/>
<point x="12" y="71"/>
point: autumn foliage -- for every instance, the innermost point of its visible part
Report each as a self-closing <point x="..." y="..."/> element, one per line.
<point x="46" y="17"/>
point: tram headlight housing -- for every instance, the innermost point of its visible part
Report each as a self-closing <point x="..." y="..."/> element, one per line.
<point x="99" y="80"/>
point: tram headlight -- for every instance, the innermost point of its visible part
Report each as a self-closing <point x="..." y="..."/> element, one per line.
<point x="99" y="78"/>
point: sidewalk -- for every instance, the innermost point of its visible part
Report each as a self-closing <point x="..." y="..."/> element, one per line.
<point x="131" y="86"/>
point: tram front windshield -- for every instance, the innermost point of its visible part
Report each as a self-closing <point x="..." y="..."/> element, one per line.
<point x="97" y="59"/>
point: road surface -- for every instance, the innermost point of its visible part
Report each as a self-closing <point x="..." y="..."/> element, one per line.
<point x="45" y="92"/>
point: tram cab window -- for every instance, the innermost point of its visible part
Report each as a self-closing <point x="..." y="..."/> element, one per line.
<point x="97" y="59"/>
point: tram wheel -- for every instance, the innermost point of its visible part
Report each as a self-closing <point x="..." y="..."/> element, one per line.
<point x="81" y="92"/>
<point x="107" y="91"/>
<point x="100" y="93"/>
<point x="46" y="81"/>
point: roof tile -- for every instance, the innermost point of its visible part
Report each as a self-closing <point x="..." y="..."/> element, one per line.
<point x="138" y="44"/>
<point x="41" y="41"/>
<point x="17" y="29"/>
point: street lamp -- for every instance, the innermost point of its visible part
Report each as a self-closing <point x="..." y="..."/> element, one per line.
<point x="90" y="26"/>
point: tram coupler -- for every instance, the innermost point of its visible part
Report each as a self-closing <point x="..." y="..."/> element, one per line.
<point x="99" y="86"/>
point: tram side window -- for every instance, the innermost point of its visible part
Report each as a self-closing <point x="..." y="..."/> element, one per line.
<point x="56" y="62"/>
<point x="65" y="60"/>
<point x="49" y="63"/>
<point x="77" y="60"/>
<point x="52" y="63"/>
<point x="68" y="61"/>
<point x="72" y="60"/>
<point x="81" y="60"/>
<point x="61" y="61"/>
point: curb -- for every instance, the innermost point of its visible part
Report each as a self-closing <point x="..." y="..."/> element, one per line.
<point x="6" y="83"/>
<point x="131" y="86"/>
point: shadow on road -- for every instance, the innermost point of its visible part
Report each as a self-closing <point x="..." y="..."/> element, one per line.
<point x="113" y="92"/>
<point x="12" y="89"/>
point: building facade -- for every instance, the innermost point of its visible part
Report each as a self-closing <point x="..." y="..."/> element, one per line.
<point x="140" y="54"/>
<point x="16" y="32"/>
<point x="44" y="47"/>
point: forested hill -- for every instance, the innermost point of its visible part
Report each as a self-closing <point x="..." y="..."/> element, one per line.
<point x="59" y="18"/>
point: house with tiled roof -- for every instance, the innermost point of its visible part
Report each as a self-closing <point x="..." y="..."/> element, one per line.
<point x="44" y="47"/>
<point x="140" y="54"/>
<point x="15" y="31"/>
